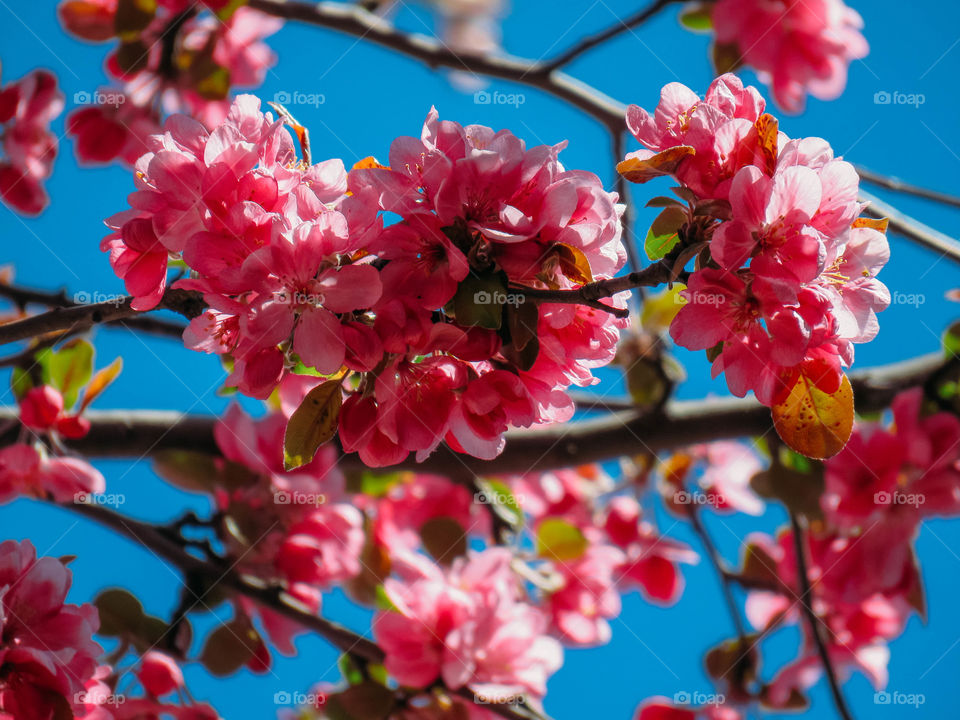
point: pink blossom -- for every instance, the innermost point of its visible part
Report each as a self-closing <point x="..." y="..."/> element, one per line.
<point x="588" y="596"/>
<point x="25" y="470"/>
<point x="467" y="627"/>
<point x="159" y="673"/>
<point x="795" y="47"/>
<point x="47" y="653"/>
<point x="27" y="106"/>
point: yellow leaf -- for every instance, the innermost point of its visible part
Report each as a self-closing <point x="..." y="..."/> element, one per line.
<point x="812" y="422"/>
<point x="664" y="163"/>
<point x="312" y="424"/>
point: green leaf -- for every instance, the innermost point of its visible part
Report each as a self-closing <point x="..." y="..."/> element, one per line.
<point x="559" y="540"/>
<point x="349" y="670"/>
<point x="480" y="299"/>
<point x="187" y="469"/>
<point x="726" y="57"/>
<point x="698" y="18"/>
<point x="660" y="309"/>
<point x="646" y="382"/>
<point x="371" y="483"/>
<point x="20" y="382"/>
<point x="312" y="424"/>
<point x="229" y="648"/>
<point x="501" y="498"/>
<point x="383" y="601"/>
<point x="664" y="233"/>
<point x="70" y="369"/>
<point x="119" y="612"/>
<point x="951" y="340"/>
<point x="444" y="538"/>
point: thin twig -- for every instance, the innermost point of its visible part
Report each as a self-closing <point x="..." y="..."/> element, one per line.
<point x="813" y="621"/>
<point x="619" y="149"/>
<point x="913" y="229"/>
<point x="619" y="27"/>
<point x="898" y="185"/>
<point x="724" y="574"/>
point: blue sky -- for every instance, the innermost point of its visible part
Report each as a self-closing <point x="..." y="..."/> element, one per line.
<point x="369" y="97"/>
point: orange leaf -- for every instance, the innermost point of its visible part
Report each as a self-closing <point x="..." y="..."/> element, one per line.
<point x="768" y="130"/>
<point x="664" y="163"/>
<point x="872" y="223"/>
<point x="369" y="162"/>
<point x="812" y="422"/>
<point x="573" y="263"/>
<point x="101" y="381"/>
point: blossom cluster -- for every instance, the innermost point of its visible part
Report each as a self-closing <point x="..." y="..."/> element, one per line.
<point x="795" y="47"/>
<point x="426" y="316"/>
<point x="878" y="490"/>
<point x="29" y="147"/>
<point x="789" y="282"/>
<point x="173" y="56"/>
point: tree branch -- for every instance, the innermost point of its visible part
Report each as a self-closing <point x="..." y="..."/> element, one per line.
<point x="910" y="228"/>
<point x="73" y="318"/>
<point x="24" y="296"/>
<point x="621" y="26"/>
<point x="898" y="185"/>
<point x="354" y="20"/>
<point x="813" y="622"/>
<point x="134" y="433"/>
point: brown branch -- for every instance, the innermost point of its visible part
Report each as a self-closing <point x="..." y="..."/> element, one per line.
<point x="898" y="185"/>
<point x="72" y="317"/>
<point x="913" y="229"/>
<point x="274" y="597"/>
<point x="354" y="20"/>
<point x="134" y="433"/>
<point x="621" y="26"/>
<point x="813" y="622"/>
